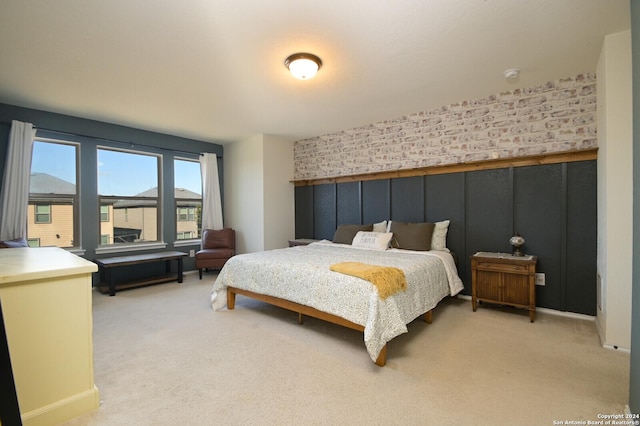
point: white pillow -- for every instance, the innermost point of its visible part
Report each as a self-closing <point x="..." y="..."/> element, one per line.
<point x="380" y="226"/>
<point x="372" y="240"/>
<point x="439" y="237"/>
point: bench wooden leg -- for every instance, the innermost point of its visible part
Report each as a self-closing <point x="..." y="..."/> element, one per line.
<point x="179" y="270"/>
<point x="428" y="317"/>
<point x="112" y="283"/>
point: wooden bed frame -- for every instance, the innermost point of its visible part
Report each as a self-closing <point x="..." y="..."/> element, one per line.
<point x="309" y="311"/>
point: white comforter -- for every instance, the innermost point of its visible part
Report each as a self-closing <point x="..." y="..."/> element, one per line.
<point x="301" y="274"/>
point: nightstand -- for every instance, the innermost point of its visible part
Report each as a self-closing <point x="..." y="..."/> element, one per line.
<point x="301" y="242"/>
<point x="504" y="279"/>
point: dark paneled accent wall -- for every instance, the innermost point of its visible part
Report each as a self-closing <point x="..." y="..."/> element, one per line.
<point x="324" y="210"/>
<point x="376" y="201"/>
<point x="552" y="206"/>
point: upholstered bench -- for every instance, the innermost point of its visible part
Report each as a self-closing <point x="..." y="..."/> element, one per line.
<point x="108" y="263"/>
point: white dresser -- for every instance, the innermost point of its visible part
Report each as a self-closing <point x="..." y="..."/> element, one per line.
<point x="46" y="300"/>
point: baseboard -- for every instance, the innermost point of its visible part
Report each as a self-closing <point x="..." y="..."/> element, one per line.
<point x="63" y="410"/>
<point x="616" y="348"/>
<point x="606" y="345"/>
<point x="567" y="314"/>
<point x="549" y="311"/>
<point x="600" y="332"/>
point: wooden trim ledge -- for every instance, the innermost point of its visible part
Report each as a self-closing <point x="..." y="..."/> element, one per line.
<point x="500" y="163"/>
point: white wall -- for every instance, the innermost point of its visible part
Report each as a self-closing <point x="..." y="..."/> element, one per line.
<point x="243" y="193"/>
<point x="615" y="198"/>
<point x="258" y="194"/>
<point x="279" y="203"/>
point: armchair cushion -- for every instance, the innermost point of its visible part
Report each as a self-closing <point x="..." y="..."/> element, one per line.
<point x="221" y="253"/>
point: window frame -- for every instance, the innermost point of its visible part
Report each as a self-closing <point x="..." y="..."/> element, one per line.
<point x="52" y="199"/>
<point x="180" y="204"/>
<point x="37" y="213"/>
<point x="112" y="199"/>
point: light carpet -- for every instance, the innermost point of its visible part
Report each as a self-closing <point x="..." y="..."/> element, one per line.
<point x="164" y="357"/>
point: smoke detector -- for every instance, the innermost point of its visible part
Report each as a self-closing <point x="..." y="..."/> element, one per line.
<point x="511" y="73"/>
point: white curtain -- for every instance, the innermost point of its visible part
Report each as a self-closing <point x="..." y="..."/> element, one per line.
<point x="14" y="196"/>
<point x="211" y="203"/>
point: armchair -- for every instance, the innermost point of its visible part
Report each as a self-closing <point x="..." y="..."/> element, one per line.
<point x="218" y="246"/>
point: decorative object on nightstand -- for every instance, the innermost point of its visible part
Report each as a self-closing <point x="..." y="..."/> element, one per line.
<point x="517" y="242"/>
<point x="504" y="279"/>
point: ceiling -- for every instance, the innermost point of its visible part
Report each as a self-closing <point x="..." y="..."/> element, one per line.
<point x="214" y="70"/>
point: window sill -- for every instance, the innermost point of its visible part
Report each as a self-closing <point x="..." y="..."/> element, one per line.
<point x="77" y="251"/>
<point x="131" y="247"/>
<point x="185" y="243"/>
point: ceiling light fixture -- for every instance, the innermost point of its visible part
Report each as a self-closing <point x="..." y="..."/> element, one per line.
<point x="303" y="66"/>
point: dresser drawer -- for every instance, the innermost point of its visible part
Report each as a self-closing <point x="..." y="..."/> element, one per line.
<point x="503" y="267"/>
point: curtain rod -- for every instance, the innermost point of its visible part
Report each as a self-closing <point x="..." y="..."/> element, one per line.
<point x="128" y="144"/>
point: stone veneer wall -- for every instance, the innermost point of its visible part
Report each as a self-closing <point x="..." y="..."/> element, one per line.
<point x="554" y="117"/>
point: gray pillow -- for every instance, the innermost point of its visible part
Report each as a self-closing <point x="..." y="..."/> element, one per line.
<point x="411" y="236"/>
<point x="345" y="233"/>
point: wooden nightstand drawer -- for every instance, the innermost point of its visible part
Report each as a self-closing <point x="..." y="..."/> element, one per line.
<point x="503" y="267"/>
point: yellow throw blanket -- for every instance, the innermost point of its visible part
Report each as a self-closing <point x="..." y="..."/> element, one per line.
<point x="387" y="279"/>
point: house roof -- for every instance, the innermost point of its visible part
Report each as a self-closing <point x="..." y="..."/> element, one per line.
<point x="214" y="70"/>
<point x="182" y="196"/>
<point x="43" y="183"/>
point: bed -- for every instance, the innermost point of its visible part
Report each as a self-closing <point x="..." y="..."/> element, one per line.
<point x="300" y="279"/>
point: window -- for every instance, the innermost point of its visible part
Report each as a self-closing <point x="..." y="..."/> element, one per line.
<point x="104" y="213"/>
<point x="53" y="194"/>
<point x="188" y="194"/>
<point x="186" y="235"/>
<point x="42" y="213"/>
<point x="128" y="192"/>
<point x="186" y="214"/>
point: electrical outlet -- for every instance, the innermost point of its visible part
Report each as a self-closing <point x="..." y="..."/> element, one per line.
<point x="540" y="278"/>
<point x="192" y="253"/>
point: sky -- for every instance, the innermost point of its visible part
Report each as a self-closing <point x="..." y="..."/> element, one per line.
<point x="119" y="173"/>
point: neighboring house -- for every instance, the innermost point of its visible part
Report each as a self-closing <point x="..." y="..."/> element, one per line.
<point x="188" y="214"/>
<point x="50" y="216"/>
<point x="52" y="200"/>
<point x="136" y="219"/>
